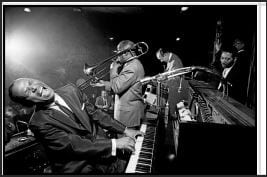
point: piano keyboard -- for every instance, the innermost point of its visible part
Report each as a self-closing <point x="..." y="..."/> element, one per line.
<point x="141" y="160"/>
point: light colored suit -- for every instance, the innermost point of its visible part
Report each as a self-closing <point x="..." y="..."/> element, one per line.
<point x="129" y="106"/>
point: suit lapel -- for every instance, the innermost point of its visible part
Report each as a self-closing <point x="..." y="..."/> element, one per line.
<point x="74" y="103"/>
<point x="61" y="117"/>
<point x="232" y="73"/>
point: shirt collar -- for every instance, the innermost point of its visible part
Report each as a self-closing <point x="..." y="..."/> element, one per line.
<point x="241" y="50"/>
<point x="170" y="55"/>
<point x="58" y="99"/>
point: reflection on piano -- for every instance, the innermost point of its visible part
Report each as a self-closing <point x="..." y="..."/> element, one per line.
<point x="209" y="105"/>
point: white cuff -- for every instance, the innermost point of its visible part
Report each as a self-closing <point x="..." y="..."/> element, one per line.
<point x="113" y="152"/>
<point x="125" y="130"/>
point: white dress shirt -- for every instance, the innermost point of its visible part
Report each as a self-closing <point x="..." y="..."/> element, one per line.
<point x="170" y="64"/>
<point x="225" y="74"/>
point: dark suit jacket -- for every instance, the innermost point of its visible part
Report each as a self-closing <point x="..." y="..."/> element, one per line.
<point x="238" y="78"/>
<point x="72" y="148"/>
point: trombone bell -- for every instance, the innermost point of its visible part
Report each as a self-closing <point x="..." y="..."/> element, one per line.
<point x="89" y="70"/>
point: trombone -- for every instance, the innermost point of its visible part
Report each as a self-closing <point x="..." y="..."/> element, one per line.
<point x="95" y="73"/>
<point x="177" y="72"/>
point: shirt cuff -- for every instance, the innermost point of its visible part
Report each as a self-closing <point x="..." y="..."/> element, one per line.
<point x="114" y="147"/>
<point x="125" y="130"/>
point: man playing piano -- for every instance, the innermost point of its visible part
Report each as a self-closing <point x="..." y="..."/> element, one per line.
<point x="70" y="128"/>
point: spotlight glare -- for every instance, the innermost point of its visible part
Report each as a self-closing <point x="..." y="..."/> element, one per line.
<point x="178" y="39"/>
<point x="17" y="47"/>
<point x="27" y="9"/>
<point x="77" y="9"/>
<point x="184" y="8"/>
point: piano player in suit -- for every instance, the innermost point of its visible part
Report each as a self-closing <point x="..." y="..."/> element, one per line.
<point x="70" y="128"/>
<point x="234" y="74"/>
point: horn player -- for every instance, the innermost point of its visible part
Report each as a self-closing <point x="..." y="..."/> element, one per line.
<point x="129" y="106"/>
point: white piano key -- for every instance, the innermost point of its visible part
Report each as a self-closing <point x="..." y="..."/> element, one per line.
<point x="134" y="157"/>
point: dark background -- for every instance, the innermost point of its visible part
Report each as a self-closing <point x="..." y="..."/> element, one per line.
<point x="52" y="43"/>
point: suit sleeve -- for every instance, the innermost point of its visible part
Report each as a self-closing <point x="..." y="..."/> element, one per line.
<point x="104" y="120"/>
<point x="101" y="118"/>
<point x="71" y="146"/>
<point x="177" y="62"/>
<point x="123" y="81"/>
<point x="107" y="122"/>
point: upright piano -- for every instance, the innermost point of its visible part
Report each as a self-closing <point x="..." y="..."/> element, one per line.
<point x="221" y="139"/>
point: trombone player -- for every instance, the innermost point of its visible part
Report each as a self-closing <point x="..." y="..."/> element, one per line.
<point x="129" y="106"/>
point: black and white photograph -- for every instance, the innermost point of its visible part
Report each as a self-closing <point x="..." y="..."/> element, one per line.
<point x="117" y="88"/>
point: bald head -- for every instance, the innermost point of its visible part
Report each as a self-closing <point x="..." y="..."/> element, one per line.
<point x="124" y="45"/>
<point x="27" y="91"/>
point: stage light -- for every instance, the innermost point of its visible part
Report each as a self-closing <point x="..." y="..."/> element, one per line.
<point x="15" y="47"/>
<point x="178" y="39"/>
<point x="19" y="46"/>
<point x="27" y="10"/>
<point x="77" y="9"/>
<point x="184" y="8"/>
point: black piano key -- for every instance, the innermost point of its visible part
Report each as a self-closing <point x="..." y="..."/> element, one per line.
<point x="149" y="133"/>
<point x="149" y="136"/>
<point x="145" y="155"/>
<point x="148" y="145"/>
<point x="148" y="141"/>
<point x="146" y="150"/>
<point x="144" y="168"/>
<point x="140" y="171"/>
<point x="152" y="133"/>
<point x="150" y="130"/>
<point x="144" y="161"/>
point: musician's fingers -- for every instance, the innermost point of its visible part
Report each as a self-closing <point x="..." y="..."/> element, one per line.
<point x="139" y="133"/>
<point x="131" y="148"/>
<point x="132" y="140"/>
<point x="142" y="133"/>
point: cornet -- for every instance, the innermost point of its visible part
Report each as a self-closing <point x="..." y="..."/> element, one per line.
<point x="95" y="74"/>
